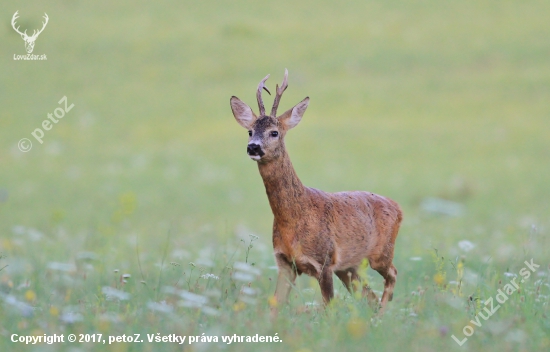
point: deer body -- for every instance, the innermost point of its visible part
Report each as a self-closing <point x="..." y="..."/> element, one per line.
<point x="315" y="232"/>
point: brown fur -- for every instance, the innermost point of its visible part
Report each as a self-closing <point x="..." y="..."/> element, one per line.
<point x="315" y="232"/>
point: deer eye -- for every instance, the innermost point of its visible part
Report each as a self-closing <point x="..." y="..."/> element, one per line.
<point x="274" y="133"/>
<point x="250" y="133"/>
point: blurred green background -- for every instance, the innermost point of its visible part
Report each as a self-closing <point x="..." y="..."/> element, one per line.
<point x="409" y="99"/>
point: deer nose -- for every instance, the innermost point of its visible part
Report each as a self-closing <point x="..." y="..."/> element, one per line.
<point x="254" y="149"/>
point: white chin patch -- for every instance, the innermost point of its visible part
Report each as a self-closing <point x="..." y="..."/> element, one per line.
<point x="255" y="157"/>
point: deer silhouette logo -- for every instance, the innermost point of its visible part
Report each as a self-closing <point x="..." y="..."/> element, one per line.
<point x="29" y="40"/>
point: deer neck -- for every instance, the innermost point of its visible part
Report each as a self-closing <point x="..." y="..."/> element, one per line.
<point x="285" y="191"/>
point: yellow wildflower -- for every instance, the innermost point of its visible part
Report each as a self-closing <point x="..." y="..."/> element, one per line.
<point x="30" y="295"/>
<point x="356" y="327"/>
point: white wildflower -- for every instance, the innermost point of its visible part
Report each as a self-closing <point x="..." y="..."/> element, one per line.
<point x="71" y="317"/>
<point x="247" y="268"/>
<point x="243" y="277"/>
<point x="466" y="245"/>
<point x="248" y="291"/>
<point x="209" y="276"/>
<point x="210" y="311"/>
<point x="19" y="230"/>
<point x="161" y="307"/>
<point x="22" y="307"/>
<point x="170" y="290"/>
<point x="113" y="293"/>
<point x="34" y="234"/>
<point x="205" y="262"/>
<point x="110" y="317"/>
<point x="516" y="335"/>
<point x="192" y="299"/>
<point x="65" y="267"/>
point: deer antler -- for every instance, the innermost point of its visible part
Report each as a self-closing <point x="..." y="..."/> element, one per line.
<point x="13" y="19"/>
<point x="43" y="26"/>
<point x="279" y="94"/>
<point x="34" y="33"/>
<point x="259" y="95"/>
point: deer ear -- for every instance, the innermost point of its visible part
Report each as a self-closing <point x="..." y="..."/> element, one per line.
<point x="243" y="113"/>
<point x="293" y="116"/>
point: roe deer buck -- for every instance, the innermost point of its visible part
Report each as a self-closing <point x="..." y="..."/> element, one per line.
<point x="315" y="232"/>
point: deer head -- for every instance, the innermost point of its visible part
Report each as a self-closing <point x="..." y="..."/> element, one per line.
<point x="29" y="41"/>
<point x="266" y="133"/>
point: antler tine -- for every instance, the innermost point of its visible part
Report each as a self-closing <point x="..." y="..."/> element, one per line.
<point x="43" y="24"/>
<point x="259" y="95"/>
<point x="279" y="94"/>
<point x="13" y="20"/>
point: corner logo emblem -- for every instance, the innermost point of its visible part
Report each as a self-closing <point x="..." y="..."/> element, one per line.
<point x="29" y="40"/>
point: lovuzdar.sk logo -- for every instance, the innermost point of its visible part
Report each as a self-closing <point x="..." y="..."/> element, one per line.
<point x="29" y="39"/>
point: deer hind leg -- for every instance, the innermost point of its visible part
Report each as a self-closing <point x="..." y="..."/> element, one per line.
<point x="351" y="281"/>
<point x="383" y="263"/>
<point x="392" y="271"/>
<point x="389" y="273"/>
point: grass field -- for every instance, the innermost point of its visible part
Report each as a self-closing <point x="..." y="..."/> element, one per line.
<point x="147" y="175"/>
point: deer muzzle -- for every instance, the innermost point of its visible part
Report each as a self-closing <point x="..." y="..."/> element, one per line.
<point x="254" y="150"/>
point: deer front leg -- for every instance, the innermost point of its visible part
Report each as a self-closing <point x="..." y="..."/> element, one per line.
<point x="326" y="284"/>
<point x="285" y="281"/>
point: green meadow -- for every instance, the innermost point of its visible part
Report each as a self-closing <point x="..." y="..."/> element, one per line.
<point x="140" y="212"/>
